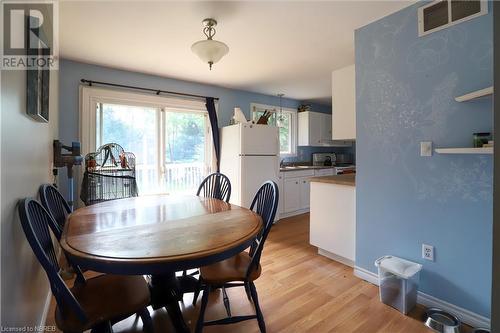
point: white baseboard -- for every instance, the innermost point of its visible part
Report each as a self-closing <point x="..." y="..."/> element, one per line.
<point x="466" y="316"/>
<point x="336" y="257"/>
<point x="366" y="275"/>
<point x="46" y="308"/>
<point x="290" y="214"/>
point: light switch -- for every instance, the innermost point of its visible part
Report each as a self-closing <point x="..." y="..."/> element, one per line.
<point x="426" y="148"/>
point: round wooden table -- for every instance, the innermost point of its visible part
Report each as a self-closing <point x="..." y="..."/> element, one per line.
<point x="158" y="235"/>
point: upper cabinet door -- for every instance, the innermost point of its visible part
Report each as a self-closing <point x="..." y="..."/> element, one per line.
<point x="315" y="129"/>
<point x="344" y="104"/>
<point x="326" y="128"/>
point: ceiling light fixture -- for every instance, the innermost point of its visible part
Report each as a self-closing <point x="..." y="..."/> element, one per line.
<point x="209" y="50"/>
<point x="280" y="121"/>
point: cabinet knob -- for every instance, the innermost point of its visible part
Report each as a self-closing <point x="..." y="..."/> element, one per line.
<point x="296" y="182"/>
<point x="304" y="181"/>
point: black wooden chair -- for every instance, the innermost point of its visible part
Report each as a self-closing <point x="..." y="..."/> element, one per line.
<point x="243" y="269"/>
<point x="56" y="205"/>
<point x="96" y="303"/>
<point x="215" y="185"/>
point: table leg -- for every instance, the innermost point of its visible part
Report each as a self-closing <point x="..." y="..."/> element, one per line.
<point x="166" y="292"/>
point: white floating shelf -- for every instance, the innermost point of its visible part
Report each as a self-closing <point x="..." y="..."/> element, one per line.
<point x="475" y="94"/>
<point x="487" y="150"/>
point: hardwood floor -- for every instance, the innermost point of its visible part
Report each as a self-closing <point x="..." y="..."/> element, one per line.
<point x="299" y="291"/>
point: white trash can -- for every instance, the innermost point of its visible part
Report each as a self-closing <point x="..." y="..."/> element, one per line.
<point x="398" y="282"/>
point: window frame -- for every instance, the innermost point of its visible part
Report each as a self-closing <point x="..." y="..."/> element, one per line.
<point x="257" y="107"/>
<point x="90" y="97"/>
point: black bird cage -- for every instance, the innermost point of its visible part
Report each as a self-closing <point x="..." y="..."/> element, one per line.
<point x="109" y="175"/>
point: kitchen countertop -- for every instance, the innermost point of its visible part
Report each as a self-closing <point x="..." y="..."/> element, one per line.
<point x="347" y="179"/>
<point x="305" y="167"/>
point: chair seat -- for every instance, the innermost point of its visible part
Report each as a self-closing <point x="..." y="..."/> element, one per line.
<point x="232" y="269"/>
<point x="105" y="298"/>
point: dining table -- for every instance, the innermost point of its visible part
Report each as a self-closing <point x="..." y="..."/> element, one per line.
<point x="157" y="236"/>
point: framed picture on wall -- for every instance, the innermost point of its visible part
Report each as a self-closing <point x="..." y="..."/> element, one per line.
<point x="38" y="77"/>
<point x="37" y="104"/>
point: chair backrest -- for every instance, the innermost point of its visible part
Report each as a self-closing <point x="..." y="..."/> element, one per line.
<point x="56" y="205"/>
<point x="217" y="186"/>
<point x="265" y="203"/>
<point x="35" y="220"/>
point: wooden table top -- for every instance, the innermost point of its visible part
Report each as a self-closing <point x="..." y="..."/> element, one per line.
<point x="145" y="234"/>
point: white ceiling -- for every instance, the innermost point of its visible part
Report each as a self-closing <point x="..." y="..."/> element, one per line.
<point x="283" y="46"/>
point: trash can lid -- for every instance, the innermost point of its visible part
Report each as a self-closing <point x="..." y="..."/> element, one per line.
<point x="397" y="266"/>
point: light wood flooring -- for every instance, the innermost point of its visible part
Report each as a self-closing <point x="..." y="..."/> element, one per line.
<point x="299" y="291"/>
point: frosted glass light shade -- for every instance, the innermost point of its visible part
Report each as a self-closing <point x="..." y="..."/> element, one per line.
<point x="210" y="51"/>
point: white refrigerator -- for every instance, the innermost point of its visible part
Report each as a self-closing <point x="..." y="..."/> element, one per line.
<point x="249" y="157"/>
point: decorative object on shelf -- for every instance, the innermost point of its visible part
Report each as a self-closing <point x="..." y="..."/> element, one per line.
<point x="304" y="108"/>
<point x="210" y="50"/>
<point x="475" y="94"/>
<point x="280" y="119"/>
<point x="489" y="144"/>
<point x="37" y="102"/>
<point x="109" y="175"/>
<point x="479" y="139"/>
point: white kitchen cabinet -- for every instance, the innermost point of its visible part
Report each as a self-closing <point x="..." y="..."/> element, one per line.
<point x="281" y="195"/>
<point x="315" y="129"/>
<point x="292" y="194"/>
<point x="305" y="191"/>
<point x="333" y="221"/>
<point x="344" y="104"/>
<point x="295" y="193"/>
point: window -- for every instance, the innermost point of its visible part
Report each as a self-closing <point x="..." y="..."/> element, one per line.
<point x="170" y="137"/>
<point x="288" y="130"/>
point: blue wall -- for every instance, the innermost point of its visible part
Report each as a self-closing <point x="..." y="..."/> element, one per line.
<point x="405" y="89"/>
<point x="69" y="80"/>
<point x="71" y="72"/>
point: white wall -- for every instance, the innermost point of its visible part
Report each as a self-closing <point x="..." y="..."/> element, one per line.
<point x="26" y="157"/>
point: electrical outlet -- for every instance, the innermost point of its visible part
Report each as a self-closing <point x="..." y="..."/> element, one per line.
<point x="426" y="148"/>
<point x="428" y="252"/>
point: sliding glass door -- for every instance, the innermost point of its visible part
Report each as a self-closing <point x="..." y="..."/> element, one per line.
<point x="172" y="146"/>
<point x="187" y="150"/>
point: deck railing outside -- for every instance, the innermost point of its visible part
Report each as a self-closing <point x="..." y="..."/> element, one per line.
<point x="176" y="178"/>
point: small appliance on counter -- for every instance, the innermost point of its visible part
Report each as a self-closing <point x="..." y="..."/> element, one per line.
<point x="342" y="163"/>
<point x="324" y="159"/>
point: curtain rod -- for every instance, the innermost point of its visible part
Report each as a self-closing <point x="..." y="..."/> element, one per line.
<point x="157" y="91"/>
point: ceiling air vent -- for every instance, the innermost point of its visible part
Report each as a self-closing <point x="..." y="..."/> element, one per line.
<point x="441" y="14"/>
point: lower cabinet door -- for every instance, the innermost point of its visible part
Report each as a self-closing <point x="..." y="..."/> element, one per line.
<point x="305" y="191"/>
<point x="281" y="198"/>
<point x="292" y="194"/>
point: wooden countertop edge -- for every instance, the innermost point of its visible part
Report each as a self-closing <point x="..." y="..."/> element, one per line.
<point x="347" y="179"/>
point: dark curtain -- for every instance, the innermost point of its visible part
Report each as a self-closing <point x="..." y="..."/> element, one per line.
<point x="212" y="115"/>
